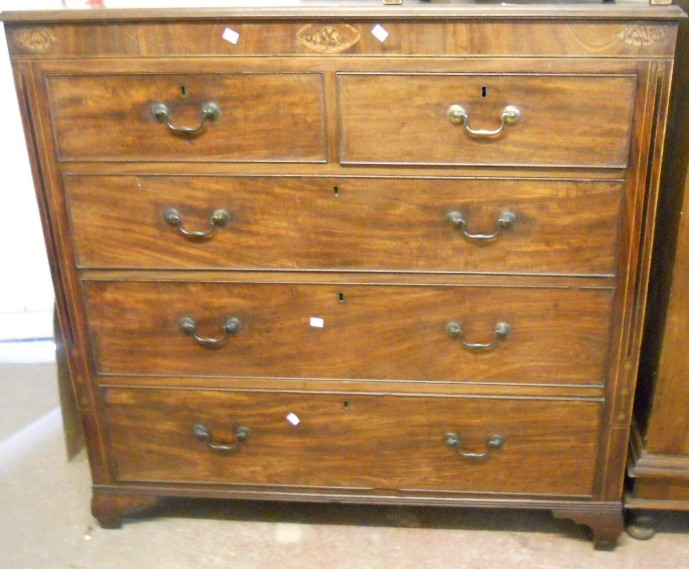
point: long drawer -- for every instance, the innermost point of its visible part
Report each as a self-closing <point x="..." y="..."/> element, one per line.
<point x="543" y="120"/>
<point x="350" y="223"/>
<point x="405" y="443"/>
<point x="241" y="117"/>
<point x="413" y="333"/>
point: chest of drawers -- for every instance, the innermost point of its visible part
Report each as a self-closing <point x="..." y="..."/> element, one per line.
<point x="393" y="255"/>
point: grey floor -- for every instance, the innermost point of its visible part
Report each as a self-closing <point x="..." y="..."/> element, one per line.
<point x="45" y="523"/>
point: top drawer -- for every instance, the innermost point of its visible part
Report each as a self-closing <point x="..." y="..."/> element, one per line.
<point x="259" y="117"/>
<point x="561" y="120"/>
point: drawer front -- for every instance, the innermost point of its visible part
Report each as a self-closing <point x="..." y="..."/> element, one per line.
<point x="564" y="120"/>
<point x="350" y="223"/>
<point x="260" y="117"/>
<point x="349" y="331"/>
<point x="374" y="442"/>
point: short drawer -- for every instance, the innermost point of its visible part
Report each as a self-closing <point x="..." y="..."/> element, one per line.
<point x="252" y="117"/>
<point x="560" y="120"/>
<point x="523" y="226"/>
<point x="393" y="332"/>
<point x="372" y="442"/>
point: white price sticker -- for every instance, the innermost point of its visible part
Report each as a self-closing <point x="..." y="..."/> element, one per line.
<point x="292" y="418"/>
<point x="380" y="33"/>
<point x="317" y="322"/>
<point x="230" y="35"/>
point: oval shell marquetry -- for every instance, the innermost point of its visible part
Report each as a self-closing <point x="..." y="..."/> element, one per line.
<point x="35" y="40"/>
<point x="328" y="38"/>
<point x="640" y="35"/>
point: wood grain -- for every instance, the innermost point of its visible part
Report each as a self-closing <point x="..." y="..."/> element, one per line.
<point x="471" y="64"/>
<point x="660" y="450"/>
<point x="410" y="10"/>
<point x="400" y="440"/>
<point x="263" y="117"/>
<point x="107" y="508"/>
<point x="582" y="164"/>
<point x="668" y="428"/>
<point x="265" y="38"/>
<point x="561" y="116"/>
<point x="592" y="393"/>
<point x="667" y="494"/>
<point x="342" y="223"/>
<point x="558" y="336"/>
<point x="64" y="276"/>
<point x="606" y="524"/>
<point x="340" y="278"/>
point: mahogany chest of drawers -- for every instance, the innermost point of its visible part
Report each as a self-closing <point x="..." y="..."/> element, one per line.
<point x="394" y="254"/>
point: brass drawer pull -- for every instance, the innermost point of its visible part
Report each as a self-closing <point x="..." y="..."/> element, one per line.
<point x="454" y="330"/>
<point x="506" y="220"/>
<point x="453" y="441"/>
<point x="188" y="325"/>
<point x="209" y="112"/>
<point x="458" y="115"/>
<point x="218" y="218"/>
<point x="241" y="434"/>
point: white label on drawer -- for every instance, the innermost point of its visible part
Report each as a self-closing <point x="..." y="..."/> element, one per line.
<point x="380" y="33"/>
<point x="317" y="322"/>
<point x="230" y="35"/>
<point x="292" y="418"/>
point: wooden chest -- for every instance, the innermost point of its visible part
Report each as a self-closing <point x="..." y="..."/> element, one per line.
<point x="659" y="465"/>
<point x="385" y="254"/>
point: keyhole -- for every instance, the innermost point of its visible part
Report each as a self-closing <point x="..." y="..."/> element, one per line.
<point x="345" y="405"/>
<point x="341" y="297"/>
<point x="183" y="90"/>
<point x="484" y="91"/>
<point x="336" y="191"/>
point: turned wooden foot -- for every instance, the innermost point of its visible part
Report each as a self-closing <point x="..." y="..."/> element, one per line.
<point x="108" y="508"/>
<point x="606" y="523"/>
<point x="640" y="526"/>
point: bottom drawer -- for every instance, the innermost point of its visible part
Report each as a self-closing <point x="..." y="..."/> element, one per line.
<point x="379" y="442"/>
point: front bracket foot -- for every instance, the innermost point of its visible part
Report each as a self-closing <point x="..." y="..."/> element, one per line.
<point x="606" y="523"/>
<point x="108" y="508"/>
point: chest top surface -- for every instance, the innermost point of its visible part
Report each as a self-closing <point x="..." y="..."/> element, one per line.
<point x="316" y="9"/>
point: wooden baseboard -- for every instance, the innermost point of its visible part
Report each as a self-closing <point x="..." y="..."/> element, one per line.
<point x="26" y="326"/>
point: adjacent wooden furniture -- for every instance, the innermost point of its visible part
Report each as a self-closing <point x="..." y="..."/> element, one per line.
<point x="384" y="254"/>
<point x="659" y="465"/>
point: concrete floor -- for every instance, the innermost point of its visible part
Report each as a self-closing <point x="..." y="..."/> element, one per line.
<point x="46" y="524"/>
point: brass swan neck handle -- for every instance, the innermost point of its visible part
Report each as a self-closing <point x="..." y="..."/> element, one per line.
<point x="209" y="112"/>
<point x="458" y="115"/>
